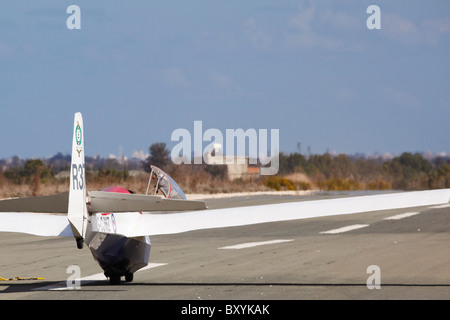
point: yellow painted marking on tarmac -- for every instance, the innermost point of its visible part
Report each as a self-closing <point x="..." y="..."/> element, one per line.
<point x="21" y="278"/>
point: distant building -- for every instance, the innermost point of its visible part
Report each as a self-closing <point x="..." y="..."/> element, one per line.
<point x="237" y="166"/>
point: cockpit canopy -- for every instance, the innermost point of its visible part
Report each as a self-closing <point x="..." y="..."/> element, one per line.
<point x="161" y="182"/>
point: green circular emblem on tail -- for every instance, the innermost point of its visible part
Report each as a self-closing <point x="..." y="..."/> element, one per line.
<point x="78" y="134"/>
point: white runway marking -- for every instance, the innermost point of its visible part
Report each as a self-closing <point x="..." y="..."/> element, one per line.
<point x="402" y="216"/>
<point x="90" y="279"/>
<point x="152" y="265"/>
<point x="441" y="206"/>
<point x="255" y="244"/>
<point x="345" y="229"/>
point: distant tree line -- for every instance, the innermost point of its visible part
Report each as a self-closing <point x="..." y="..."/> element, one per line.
<point x="409" y="171"/>
<point x="34" y="172"/>
<point x="343" y="172"/>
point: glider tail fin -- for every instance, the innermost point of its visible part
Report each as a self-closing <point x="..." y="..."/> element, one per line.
<point x="77" y="210"/>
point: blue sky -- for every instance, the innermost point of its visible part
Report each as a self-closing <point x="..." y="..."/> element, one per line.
<point x="138" y="70"/>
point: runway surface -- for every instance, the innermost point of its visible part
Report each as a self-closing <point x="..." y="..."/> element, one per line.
<point x="390" y="254"/>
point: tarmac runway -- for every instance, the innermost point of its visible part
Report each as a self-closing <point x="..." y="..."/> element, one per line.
<point x="390" y="254"/>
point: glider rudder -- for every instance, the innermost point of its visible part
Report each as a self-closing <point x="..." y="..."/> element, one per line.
<point x="77" y="210"/>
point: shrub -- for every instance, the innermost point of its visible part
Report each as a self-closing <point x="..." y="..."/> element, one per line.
<point x="339" y="184"/>
<point x="279" y="183"/>
<point x="379" y="185"/>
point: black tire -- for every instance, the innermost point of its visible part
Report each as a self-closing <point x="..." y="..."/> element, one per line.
<point x="114" y="279"/>
<point x="129" y="277"/>
<point x="79" y="243"/>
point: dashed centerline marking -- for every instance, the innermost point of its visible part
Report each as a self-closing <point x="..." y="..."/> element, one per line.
<point x="441" y="206"/>
<point x="255" y="244"/>
<point x="345" y="229"/>
<point x="402" y="216"/>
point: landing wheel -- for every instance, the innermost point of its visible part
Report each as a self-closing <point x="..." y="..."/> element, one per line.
<point x="79" y="243"/>
<point x="114" y="279"/>
<point x="128" y="277"/>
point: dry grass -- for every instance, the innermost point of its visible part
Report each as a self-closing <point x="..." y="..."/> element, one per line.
<point x="190" y="182"/>
<point x="10" y="190"/>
